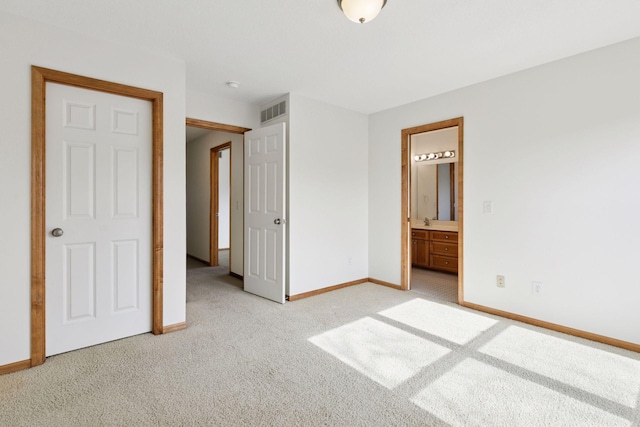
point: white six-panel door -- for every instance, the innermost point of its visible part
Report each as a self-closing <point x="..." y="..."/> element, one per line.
<point x="98" y="193"/>
<point x="264" y="208"/>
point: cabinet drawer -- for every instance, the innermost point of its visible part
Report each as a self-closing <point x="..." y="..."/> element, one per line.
<point x="445" y="236"/>
<point x="444" y="248"/>
<point x="444" y="263"/>
<point x="419" y="234"/>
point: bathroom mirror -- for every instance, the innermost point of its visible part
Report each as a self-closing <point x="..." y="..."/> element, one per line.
<point x="435" y="191"/>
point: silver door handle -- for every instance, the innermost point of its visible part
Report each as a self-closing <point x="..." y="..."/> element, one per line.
<point x="279" y="221"/>
<point x="57" y="232"/>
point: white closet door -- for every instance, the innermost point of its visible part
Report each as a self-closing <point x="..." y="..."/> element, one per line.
<point x="98" y="180"/>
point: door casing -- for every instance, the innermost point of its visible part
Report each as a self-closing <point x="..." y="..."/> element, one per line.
<point x="406" y="205"/>
<point x="39" y="78"/>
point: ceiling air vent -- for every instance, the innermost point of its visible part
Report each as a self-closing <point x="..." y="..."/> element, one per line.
<point x="273" y="112"/>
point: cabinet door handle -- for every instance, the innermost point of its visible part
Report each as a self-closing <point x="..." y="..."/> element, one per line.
<point x="446" y="263"/>
<point x="446" y="237"/>
<point x="446" y="249"/>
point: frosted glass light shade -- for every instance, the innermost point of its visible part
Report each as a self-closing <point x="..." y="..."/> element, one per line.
<point x="361" y="10"/>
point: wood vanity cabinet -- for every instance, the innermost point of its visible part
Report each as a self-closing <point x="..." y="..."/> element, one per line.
<point x="437" y="250"/>
<point x="444" y="251"/>
<point x="419" y="247"/>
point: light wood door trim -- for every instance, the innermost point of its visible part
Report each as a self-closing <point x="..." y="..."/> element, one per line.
<point x="214" y="205"/>
<point x="39" y="78"/>
<point x="405" y="226"/>
<point x="203" y="124"/>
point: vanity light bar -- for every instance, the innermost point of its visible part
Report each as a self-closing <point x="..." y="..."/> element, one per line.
<point x="434" y="156"/>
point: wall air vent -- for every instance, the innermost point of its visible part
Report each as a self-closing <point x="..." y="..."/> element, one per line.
<point x="273" y="112"/>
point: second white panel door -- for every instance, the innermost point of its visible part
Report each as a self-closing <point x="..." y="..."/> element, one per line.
<point x="264" y="212"/>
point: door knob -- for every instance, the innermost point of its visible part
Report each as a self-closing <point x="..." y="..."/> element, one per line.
<point x="57" y="232"/>
<point x="277" y="221"/>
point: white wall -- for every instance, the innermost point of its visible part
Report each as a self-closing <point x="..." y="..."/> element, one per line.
<point x="327" y="195"/>
<point x="26" y="43"/>
<point x="203" y="106"/>
<point x="198" y="193"/>
<point x="556" y="148"/>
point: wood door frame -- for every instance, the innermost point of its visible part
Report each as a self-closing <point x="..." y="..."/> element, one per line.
<point x="214" y="204"/>
<point x="204" y="124"/>
<point x="39" y="78"/>
<point x="405" y="228"/>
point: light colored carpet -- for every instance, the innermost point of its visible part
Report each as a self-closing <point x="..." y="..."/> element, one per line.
<point x="366" y="355"/>
<point x="435" y="284"/>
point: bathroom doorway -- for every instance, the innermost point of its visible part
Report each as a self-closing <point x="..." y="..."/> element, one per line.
<point x="432" y="183"/>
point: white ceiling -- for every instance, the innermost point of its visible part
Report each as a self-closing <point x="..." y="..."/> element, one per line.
<point x="413" y="50"/>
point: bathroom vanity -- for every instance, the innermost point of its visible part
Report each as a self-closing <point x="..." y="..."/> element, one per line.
<point x="435" y="247"/>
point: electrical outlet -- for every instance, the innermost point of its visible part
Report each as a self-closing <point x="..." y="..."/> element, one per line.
<point x="500" y="281"/>
<point x="487" y="207"/>
<point x="536" y="288"/>
<point x="349" y="260"/>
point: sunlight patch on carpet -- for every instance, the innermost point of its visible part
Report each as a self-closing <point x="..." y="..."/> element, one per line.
<point x="446" y="322"/>
<point x="385" y="354"/>
<point x="599" y="372"/>
<point x="476" y="394"/>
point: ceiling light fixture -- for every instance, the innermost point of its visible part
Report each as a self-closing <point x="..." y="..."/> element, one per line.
<point x="361" y="10"/>
<point x="232" y="84"/>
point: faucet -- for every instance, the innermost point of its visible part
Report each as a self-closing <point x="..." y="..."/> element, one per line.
<point x="426" y="220"/>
